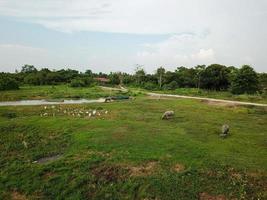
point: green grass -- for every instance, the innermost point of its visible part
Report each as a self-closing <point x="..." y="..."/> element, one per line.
<point x="54" y="92"/>
<point x="66" y="92"/>
<point x="100" y="154"/>
<point x="257" y="98"/>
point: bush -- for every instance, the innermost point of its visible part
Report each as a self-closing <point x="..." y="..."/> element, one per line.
<point x="81" y="82"/>
<point x="171" y="86"/>
<point x="77" y="83"/>
<point x="9" y="115"/>
<point x="7" y="83"/>
<point x="32" y="79"/>
<point x="150" y="86"/>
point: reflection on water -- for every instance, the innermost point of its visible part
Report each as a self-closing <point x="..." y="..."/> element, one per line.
<point x="45" y="102"/>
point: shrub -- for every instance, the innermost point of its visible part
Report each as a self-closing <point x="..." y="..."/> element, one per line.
<point x="77" y="83"/>
<point x="81" y="82"/>
<point x="150" y="86"/>
<point x="7" y="83"/>
<point x="9" y="115"/>
<point x="171" y="86"/>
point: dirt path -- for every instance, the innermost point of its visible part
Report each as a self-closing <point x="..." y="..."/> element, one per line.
<point x="115" y="89"/>
<point x="222" y="101"/>
<point x="207" y="99"/>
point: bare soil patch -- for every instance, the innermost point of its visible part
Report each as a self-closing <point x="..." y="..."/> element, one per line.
<point x="143" y="170"/>
<point x="178" y="167"/>
<point x="87" y="154"/>
<point x="159" y="97"/>
<point x="206" y="196"/>
<point x="48" y="175"/>
<point x="109" y="173"/>
<point x="219" y="103"/>
<point x="18" y="196"/>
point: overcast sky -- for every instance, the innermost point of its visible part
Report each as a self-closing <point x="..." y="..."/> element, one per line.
<point x="116" y="35"/>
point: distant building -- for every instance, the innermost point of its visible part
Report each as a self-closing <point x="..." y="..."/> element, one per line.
<point x="102" y="81"/>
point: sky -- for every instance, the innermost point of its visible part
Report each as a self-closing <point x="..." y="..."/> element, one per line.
<point x="118" y="35"/>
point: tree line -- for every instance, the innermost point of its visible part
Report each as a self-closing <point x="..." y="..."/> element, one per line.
<point x="213" y="77"/>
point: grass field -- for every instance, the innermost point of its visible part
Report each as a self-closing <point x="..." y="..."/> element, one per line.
<point x="54" y="92"/>
<point x="126" y="151"/>
<point x="66" y="92"/>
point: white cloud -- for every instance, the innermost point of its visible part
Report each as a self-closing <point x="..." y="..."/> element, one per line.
<point x="229" y="32"/>
<point x="138" y="16"/>
<point x="185" y="49"/>
<point x="125" y="16"/>
<point x="204" y="55"/>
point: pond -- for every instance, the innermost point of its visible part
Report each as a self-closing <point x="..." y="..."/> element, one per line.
<point x="49" y="102"/>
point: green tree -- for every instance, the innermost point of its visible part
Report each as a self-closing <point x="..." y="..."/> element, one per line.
<point x="114" y="78"/>
<point x="89" y="73"/>
<point x="185" y="77"/>
<point x="140" y="75"/>
<point x="263" y="80"/>
<point x="28" y="69"/>
<point x="160" y="75"/>
<point x="32" y="79"/>
<point x="8" y="83"/>
<point x="199" y="71"/>
<point x="245" y="81"/>
<point x="215" y="77"/>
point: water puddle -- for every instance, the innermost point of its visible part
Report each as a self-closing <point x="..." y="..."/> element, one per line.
<point x="49" y="102"/>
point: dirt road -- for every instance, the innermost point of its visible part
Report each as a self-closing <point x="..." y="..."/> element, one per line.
<point x="207" y="99"/>
<point x="219" y="101"/>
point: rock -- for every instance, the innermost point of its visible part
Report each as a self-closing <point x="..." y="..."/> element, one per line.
<point x="225" y="130"/>
<point x="168" y="115"/>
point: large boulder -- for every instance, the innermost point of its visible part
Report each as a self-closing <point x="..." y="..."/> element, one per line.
<point x="168" y="115"/>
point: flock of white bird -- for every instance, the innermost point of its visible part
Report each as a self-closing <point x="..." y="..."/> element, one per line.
<point x="74" y="112"/>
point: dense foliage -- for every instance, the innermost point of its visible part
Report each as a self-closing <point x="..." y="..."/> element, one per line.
<point x="7" y="82"/>
<point x="245" y="81"/>
<point x="81" y="82"/>
<point x="213" y="77"/>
